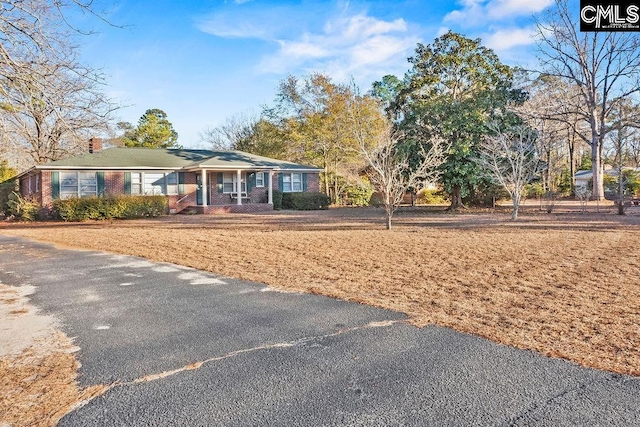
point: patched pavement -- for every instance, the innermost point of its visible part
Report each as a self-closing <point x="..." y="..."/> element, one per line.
<point x="181" y="347"/>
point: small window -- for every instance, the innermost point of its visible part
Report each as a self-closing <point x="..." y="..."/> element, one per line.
<point x="259" y="179"/>
<point x="78" y="184"/>
<point x="88" y="184"/>
<point x="286" y="183"/>
<point x="136" y="183"/>
<point x="68" y="185"/>
<point x="296" y="182"/>
<point x="172" y="183"/>
<point x="291" y="182"/>
<point x="229" y="181"/>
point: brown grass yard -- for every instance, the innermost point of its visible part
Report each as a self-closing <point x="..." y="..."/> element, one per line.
<point x="565" y="285"/>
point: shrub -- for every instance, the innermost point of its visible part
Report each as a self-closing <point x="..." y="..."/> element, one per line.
<point x="277" y="200"/>
<point x="6" y="188"/>
<point x="23" y="209"/>
<point x="109" y="207"/>
<point x="432" y="197"/>
<point x="357" y="195"/>
<point x="305" y="201"/>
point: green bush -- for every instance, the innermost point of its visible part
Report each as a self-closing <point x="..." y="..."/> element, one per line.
<point x="109" y="207"/>
<point x="357" y="195"/>
<point x="277" y="200"/>
<point x="23" y="209"/>
<point x="305" y="201"/>
<point x="6" y="188"/>
<point x="432" y="197"/>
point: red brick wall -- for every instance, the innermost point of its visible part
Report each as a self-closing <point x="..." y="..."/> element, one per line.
<point x="313" y="182"/>
<point x="114" y="185"/>
<point x="35" y="192"/>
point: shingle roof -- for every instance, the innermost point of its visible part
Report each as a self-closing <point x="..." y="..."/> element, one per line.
<point x="113" y="158"/>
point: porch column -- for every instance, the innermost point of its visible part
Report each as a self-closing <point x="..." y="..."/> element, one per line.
<point x="239" y="184"/>
<point x="204" y="188"/>
<point x="270" y="187"/>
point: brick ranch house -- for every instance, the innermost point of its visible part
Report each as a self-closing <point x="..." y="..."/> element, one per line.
<point x="200" y="180"/>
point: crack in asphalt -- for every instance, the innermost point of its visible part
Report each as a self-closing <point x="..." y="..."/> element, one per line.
<point x="196" y="365"/>
<point x="539" y="405"/>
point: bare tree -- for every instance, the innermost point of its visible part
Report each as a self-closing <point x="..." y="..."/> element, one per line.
<point x="49" y="101"/>
<point x="605" y="67"/>
<point x="233" y="132"/>
<point x="510" y="159"/>
<point x="50" y="113"/>
<point x="625" y="123"/>
<point x="390" y="172"/>
<point x="553" y="110"/>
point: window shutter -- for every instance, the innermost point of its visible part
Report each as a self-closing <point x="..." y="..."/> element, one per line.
<point x="55" y="185"/>
<point x="100" y="182"/>
<point x="266" y="178"/>
<point x="219" y="182"/>
<point x="180" y="182"/>
<point x="304" y="182"/>
<point x="280" y="185"/>
<point x="127" y="183"/>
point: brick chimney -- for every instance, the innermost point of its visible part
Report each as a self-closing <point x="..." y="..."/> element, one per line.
<point x="95" y="145"/>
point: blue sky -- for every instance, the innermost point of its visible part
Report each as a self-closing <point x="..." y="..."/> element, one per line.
<point x="202" y="61"/>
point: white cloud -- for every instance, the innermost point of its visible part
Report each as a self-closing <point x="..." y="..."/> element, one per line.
<point x="358" y="46"/>
<point x="479" y="12"/>
<point x="249" y="22"/>
<point x="505" y="39"/>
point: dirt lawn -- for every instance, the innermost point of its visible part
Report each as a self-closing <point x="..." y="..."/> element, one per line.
<point x="565" y="285"/>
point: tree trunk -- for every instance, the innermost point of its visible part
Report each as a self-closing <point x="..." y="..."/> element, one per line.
<point x="620" y="188"/>
<point x="572" y="168"/>
<point x="597" y="169"/>
<point x="388" y="221"/>
<point x="326" y="181"/>
<point x="456" y="199"/>
<point x="516" y="206"/>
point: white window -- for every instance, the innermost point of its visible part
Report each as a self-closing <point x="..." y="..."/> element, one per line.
<point x="136" y="183"/>
<point x="172" y="183"/>
<point x="259" y="179"/>
<point x="291" y="182"/>
<point x="154" y="183"/>
<point x="230" y="181"/>
<point x="78" y="184"/>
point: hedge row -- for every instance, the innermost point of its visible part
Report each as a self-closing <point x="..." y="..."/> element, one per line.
<point x="109" y="207"/>
<point x="305" y="201"/>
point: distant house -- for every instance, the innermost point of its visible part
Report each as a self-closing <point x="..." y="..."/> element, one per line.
<point x="583" y="177"/>
<point x="201" y="180"/>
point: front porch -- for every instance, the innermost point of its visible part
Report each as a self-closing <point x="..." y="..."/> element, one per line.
<point x="235" y="191"/>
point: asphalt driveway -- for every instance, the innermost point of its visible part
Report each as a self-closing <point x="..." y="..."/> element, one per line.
<point x="182" y="347"/>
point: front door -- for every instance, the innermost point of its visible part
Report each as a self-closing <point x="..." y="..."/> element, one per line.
<point x="199" y="189"/>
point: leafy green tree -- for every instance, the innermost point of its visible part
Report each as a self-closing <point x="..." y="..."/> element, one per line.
<point x="313" y="115"/>
<point x="153" y="131"/>
<point x="456" y="86"/>
<point x="6" y="171"/>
